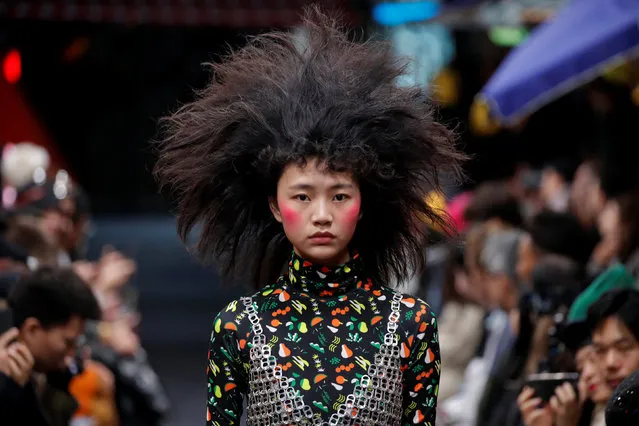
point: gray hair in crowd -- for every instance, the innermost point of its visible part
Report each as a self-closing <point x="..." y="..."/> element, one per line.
<point x="501" y="252"/>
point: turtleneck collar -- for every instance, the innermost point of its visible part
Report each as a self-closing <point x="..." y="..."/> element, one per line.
<point x="326" y="281"/>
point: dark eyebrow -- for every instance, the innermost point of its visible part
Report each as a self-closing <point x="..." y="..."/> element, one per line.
<point x="616" y="342"/>
<point x="307" y="187"/>
<point x="342" y="186"/>
<point x="301" y="187"/>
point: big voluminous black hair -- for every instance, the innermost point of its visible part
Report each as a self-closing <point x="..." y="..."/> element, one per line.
<point x="271" y="104"/>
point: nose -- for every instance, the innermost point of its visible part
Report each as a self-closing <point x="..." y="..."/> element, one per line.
<point x="321" y="214"/>
<point x="612" y="361"/>
<point x="587" y="373"/>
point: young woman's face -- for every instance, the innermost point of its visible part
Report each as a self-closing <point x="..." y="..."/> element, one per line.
<point x="591" y="379"/>
<point x="319" y="210"/>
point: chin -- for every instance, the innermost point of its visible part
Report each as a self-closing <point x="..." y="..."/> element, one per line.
<point x="602" y="395"/>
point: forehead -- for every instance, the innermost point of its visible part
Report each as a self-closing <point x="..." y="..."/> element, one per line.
<point x="73" y="328"/>
<point x="611" y="330"/>
<point x="583" y="354"/>
<point x="314" y="173"/>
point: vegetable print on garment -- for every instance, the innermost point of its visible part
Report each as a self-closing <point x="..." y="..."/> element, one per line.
<point x="324" y="347"/>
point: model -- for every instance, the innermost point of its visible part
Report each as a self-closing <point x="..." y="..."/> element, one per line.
<point x="304" y="171"/>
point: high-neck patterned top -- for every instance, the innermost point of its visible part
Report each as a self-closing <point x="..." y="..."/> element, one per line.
<point x="324" y="346"/>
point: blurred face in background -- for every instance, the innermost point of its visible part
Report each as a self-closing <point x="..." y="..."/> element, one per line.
<point x="610" y="228"/>
<point x="527" y="258"/>
<point x="551" y="184"/>
<point x="51" y="346"/>
<point x="609" y="221"/>
<point x="616" y="350"/>
<point x="475" y="273"/>
<point x="500" y="291"/>
<point x="57" y="225"/>
<point x="475" y="281"/>
<point x="586" y="197"/>
<point x="591" y="380"/>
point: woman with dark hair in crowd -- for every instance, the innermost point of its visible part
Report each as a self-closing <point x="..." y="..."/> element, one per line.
<point x="619" y="227"/>
<point x="314" y="155"/>
<point x="554" y="233"/>
<point x="461" y="324"/>
<point x="494" y="202"/>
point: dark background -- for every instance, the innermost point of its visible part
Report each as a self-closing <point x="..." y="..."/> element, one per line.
<point x="102" y="108"/>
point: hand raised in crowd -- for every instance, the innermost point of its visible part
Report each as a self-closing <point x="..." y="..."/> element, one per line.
<point x="566" y="405"/>
<point x="531" y="409"/>
<point x="120" y="337"/>
<point x="16" y="360"/>
<point x="86" y="270"/>
<point x="114" y="271"/>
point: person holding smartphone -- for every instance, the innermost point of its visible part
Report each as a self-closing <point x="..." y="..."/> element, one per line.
<point x="570" y="406"/>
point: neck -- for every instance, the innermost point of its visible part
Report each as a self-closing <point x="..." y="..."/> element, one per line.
<point x="326" y="280"/>
<point x="334" y="262"/>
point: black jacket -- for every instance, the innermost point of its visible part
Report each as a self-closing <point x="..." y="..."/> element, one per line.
<point x="20" y="406"/>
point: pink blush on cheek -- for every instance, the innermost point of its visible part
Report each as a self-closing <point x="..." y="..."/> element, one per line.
<point x="290" y="217"/>
<point x="351" y="216"/>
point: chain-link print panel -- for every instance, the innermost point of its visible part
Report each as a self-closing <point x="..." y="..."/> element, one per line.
<point x="375" y="401"/>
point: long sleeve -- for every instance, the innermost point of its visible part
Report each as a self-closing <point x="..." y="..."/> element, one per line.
<point x="10" y="392"/>
<point x="227" y="379"/>
<point x="421" y="376"/>
<point x="19" y="405"/>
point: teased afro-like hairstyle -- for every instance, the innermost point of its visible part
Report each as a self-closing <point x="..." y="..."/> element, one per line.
<point x="271" y="104"/>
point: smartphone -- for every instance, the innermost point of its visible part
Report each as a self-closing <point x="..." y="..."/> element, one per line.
<point x="544" y="384"/>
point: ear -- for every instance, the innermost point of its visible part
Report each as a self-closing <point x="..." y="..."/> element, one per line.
<point x="30" y="326"/>
<point x="272" y="203"/>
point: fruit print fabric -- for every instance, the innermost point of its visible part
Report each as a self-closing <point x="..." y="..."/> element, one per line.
<point x="325" y="327"/>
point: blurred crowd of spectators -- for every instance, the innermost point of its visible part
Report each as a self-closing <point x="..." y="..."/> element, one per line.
<point x="542" y="286"/>
<point x="69" y="350"/>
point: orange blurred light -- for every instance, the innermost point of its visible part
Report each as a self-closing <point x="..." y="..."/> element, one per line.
<point x="12" y="66"/>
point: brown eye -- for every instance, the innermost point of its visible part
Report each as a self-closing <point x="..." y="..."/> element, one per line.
<point x="340" y="197"/>
<point x="302" y="197"/>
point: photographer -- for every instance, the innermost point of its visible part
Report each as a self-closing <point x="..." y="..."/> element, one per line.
<point x="614" y="324"/>
<point x="567" y="407"/>
<point x="554" y="281"/>
<point x="49" y="309"/>
<point x="586" y="407"/>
